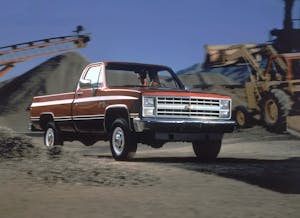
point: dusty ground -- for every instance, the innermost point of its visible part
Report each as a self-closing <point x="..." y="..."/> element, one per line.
<point x="257" y="175"/>
<point x="294" y="123"/>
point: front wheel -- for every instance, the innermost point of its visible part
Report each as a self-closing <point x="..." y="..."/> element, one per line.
<point x="123" y="143"/>
<point x="207" y="150"/>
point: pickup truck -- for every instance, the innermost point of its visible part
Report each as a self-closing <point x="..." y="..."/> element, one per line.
<point x="131" y="103"/>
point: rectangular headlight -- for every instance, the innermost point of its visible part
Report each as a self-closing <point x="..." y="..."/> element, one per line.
<point x="224" y="104"/>
<point x="224" y="114"/>
<point x="149" y="101"/>
<point x="148" y="106"/>
<point x="148" y="111"/>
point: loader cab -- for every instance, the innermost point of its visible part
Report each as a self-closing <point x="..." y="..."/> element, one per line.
<point x="295" y="67"/>
<point x="276" y="71"/>
<point x="289" y="67"/>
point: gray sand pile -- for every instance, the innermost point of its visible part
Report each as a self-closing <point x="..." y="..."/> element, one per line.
<point x="15" y="145"/>
<point x="57" y="75"/>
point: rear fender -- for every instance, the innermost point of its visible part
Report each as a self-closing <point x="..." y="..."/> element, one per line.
<point x="45" y="118"/>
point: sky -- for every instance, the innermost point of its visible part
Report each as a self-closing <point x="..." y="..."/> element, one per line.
<point x="167" y="32"/>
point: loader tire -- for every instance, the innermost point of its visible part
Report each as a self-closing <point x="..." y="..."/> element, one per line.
<point x="275" y="107"/>
<point x="242" y="117"/>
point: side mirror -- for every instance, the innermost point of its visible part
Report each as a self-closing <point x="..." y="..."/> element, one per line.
<point x="186" y="88"/>
<point x="85" y="84"/>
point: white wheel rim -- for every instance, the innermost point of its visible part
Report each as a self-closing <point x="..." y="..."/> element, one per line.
<point x="49" y="138"/>
<point x="118" y="140"/>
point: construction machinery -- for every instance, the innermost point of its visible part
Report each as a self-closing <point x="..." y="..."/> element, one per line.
<point x="273" y="88"/>
<point x="13" y="54"/>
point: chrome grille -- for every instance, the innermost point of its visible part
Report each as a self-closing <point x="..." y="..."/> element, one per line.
<point x="187" y="107"/>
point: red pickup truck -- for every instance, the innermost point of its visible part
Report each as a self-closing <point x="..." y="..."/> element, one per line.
<point x="131" y="103"/>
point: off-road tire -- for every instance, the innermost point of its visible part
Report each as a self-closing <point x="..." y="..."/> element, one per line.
<point x="207" y="150"/>
<point x="242" y="117"/>
<point x="52" y="138"/>
<point x="123" y="142"/>
<point x="275" y="107"/>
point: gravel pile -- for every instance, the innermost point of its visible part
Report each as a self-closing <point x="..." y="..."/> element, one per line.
<point x="14" y="145"/>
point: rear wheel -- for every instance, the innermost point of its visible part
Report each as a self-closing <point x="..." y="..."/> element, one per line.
<point x="275" y="107"/>
<point x="52" y="139"/>
<point x="207" y="150"/>
<point x="123" y="142"/>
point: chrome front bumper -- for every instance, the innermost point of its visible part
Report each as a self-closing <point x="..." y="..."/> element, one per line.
<point x="183" y="125"/>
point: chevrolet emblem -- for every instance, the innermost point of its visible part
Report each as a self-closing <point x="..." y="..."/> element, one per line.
<point x="188" y="107"/>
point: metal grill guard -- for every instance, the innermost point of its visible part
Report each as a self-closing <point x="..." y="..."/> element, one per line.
<point x="190" y="107"/>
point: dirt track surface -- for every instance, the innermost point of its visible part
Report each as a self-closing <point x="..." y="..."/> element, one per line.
<point x="257" y="175"/>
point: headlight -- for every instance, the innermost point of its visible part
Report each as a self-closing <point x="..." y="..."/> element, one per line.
<point x="224" y="104"/>
<point x="224" y="114"/>
<point x="148" y="111"/>
<point x="148" y="106"/>
<point x="149" y="101"/>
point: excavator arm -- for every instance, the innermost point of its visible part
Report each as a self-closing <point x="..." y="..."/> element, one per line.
<point x="13" y="54"/>
<point x="231" y="54"/>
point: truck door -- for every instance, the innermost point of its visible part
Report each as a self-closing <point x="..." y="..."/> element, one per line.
<point x="88" y="115"/>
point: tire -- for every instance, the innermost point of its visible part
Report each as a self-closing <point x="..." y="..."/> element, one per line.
<point x="123" y="142"/>
<point x="52" y="139"/>
<point x="242" y="117"/>
<point x="207" y="150"/>
<point x="157" y="144"/>
<point x="275" y="107"/>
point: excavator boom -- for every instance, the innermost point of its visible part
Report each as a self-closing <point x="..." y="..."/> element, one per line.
<point x="13" y="54"/>
<point x="224" y="55"/>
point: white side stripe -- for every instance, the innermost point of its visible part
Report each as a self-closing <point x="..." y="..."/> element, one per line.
<point x="104" y="98"/>
<point x="81" y="117"/>
<point x="89" y="117"/>
<point x="80" y="100"/>
<point x="48" y="103"/>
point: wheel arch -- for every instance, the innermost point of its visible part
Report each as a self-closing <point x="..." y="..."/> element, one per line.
<point x="45" y="118"/>
<point x="113" y="112"/>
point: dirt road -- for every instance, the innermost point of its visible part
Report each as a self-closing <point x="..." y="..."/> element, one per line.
<point x="257" y="175"/>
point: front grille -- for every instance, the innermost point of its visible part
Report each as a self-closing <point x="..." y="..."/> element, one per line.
<point x="192" y="107"/>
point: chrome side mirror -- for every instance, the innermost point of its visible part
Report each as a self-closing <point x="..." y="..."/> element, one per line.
<point x="186" y="88"/>
<point x="85" y="84"/>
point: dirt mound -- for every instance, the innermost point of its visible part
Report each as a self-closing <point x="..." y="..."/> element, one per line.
<point x="57" y="75"/>
<point x="15" y="145"/>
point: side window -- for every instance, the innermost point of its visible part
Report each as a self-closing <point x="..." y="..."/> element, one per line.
<point x="93" y="75"/>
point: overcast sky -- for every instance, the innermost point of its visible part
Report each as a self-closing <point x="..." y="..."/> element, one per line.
<point x="168" y="32"/>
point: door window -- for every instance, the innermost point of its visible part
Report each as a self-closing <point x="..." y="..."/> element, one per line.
<point x="93" y="75"/>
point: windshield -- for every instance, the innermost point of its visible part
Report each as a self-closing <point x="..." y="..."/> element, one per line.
<point x="139" y="75"/>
